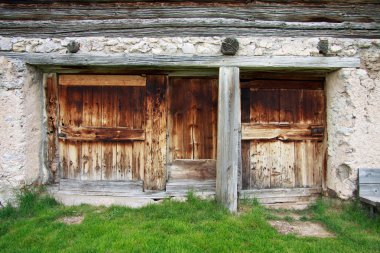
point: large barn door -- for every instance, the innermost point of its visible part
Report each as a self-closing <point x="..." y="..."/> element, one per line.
<point x="192" y="128"/>
<point x="101" y="127"/>
<point x="283" y="125"/>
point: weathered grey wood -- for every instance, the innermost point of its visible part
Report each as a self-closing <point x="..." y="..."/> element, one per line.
<point x="128" y="20"/>
<point x="229" y="138"/>
<point x="287" y="12"/>
<point x="279" y="193"/>
<point x="366" y="190"/>
<point x="98" y="185"/>
<point x="200" y="169"/>
<point x="185" y="185"/>
<point x="369" y="188"/>
<point x="166" y="61"/>
<point x="369" y="176"/>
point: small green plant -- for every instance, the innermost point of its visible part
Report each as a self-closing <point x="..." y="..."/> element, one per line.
<point x="29" y="201"/>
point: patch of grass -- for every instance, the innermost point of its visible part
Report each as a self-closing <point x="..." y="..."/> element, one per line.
<point x="192" y="226"/>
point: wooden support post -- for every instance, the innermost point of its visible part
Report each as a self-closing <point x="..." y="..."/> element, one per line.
<point x="229" y="138"/>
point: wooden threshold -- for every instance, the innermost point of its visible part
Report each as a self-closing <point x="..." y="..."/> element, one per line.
<point x="102" y="80"/>
<point x="100" y="134"/>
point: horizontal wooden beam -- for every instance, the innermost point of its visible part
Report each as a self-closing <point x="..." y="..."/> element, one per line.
<point x="186" y="27"/>
<point x="288" y="132"/>
<point x="173" y="62"/>
<point x="185" y="185"/>
<point x="100" y="134"/>
<point x="101" y="186"/>
<point x="102" y="80"/>
<point x="281" y="84"/>
<point x="200" y="169"/>
<point x="279" y="193"/>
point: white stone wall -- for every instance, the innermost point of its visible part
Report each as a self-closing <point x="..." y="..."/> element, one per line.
<point x="352" y="95"/>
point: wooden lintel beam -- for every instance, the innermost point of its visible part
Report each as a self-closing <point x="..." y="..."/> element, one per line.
<point x="101" y="134"/>
<point x="175" y="62"/>
<point x="102" y="80"/>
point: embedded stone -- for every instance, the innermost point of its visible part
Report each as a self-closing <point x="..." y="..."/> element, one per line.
<point x="230" y="46"/>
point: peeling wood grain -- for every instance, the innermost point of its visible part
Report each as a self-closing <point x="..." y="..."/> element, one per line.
<point x="155" y="142"/>
<point x="51" y="93"/>
<point x="180" y="62"/>
<point x="101" y="133"/>
<point x="278" y="132"/>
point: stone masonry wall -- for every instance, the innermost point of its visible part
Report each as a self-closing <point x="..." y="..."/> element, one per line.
<point x="352" y="95"/>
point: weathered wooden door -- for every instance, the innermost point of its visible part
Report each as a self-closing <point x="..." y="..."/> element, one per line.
<point x="192" y="128"/>
<point x="112" y="127"/>
<point x="283" y="126"/>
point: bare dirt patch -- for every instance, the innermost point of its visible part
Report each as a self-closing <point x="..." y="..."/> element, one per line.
<point x="70" y="220"/>
<point x="301" y="228"/>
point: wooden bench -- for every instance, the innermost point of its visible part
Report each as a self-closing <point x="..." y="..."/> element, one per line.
<point x="369" y="188"/>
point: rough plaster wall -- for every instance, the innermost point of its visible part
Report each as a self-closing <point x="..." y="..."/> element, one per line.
<point x="20" y="122"/>
<point x="353" y="118"/>
<point x="352" y="96"/>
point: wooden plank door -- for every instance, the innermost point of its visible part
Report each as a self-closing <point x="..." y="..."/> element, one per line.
<point x="192" y="128"/>
<point x="101" y="127"/>
<point x="283" y="124"/>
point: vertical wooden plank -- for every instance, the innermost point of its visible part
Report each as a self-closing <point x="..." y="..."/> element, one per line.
<point x="318" y="163"/>
<point x="300" y="164"/>
<point x="229" y="138"/>
<point x="189" y="130"/>
<point x="125" y="106"/>
<point x="308" y="106"/>
<point x="155" y="143"/>
<point x="138" y="160"/>
<point x="287" y="164"/>
<point x="274" y="157"/>
<point x="177" y="108"/>
<point x="109" y="167"/>
<point x="91" y="151"/>
<point x="51" y="93"/>
<point x="87" y="159"/>
<point x="63" y="121"/>
<point x="109" y="119"/>
<point x="272" y="105"/>
<point x="63" y="162"/>
<point x="195" y="123"/>
<point x="245" y="145"/>
<point x="63" y="106"/>
<point x="74" y="159"/>
<point x="214" y="117"/>
<point x="124" y="157"/>
<point x="75" y="111"/>
<point x="288" y="106"/>
<point x="310" y="163"/>
<point x="138" y="94"/>
<point x="91" y="161"/>
<point x="261" y="164"/>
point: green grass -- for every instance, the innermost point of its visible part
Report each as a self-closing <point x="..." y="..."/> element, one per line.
<point x="192" y="226"/>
